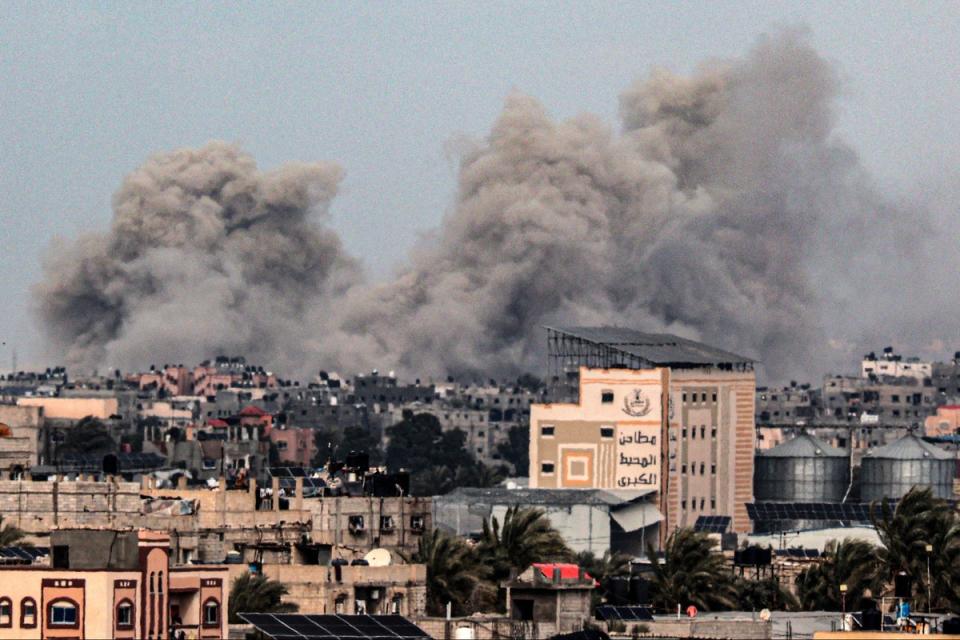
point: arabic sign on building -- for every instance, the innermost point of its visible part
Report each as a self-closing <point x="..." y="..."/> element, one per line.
<point x="638" y="457"/>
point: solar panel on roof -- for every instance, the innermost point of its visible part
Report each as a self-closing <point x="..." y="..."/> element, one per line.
<point x="281" y="626"/>
<point x="627" y="613"/>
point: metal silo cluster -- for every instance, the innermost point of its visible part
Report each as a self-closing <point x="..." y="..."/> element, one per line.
<point x="804" y="469"/>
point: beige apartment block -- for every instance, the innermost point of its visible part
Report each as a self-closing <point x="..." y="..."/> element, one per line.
<point x="685" y="433"/>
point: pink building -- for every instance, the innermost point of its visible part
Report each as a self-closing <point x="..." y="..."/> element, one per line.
<point x="945" y="423"/>
<point x="294" y="444"/>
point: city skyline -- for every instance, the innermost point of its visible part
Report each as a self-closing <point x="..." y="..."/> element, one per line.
<point x="680" y="55"/>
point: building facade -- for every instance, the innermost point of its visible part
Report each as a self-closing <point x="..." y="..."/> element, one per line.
<point x="112" y="584"/>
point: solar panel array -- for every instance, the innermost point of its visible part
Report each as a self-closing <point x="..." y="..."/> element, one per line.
<point x="627" y="614"/>
<point x="291" y="626"/>
<point x="288" y="479"/>
<point x="712" y="524"/>
<point x="126" y="461"/>
<point x="26" y="554"/>
<point x="846" y="512"/>
<point x="799" y="553"/>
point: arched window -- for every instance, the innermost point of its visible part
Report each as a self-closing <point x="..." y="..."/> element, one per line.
<point x="396" y="604"/>
<point x="211" y="613"/>
<point x="6" y="612"/>
<point x="124" y="615"/>
<point x="340" y="604"/>
<point x="63" y="613"/>
<point x="28" y="613"/>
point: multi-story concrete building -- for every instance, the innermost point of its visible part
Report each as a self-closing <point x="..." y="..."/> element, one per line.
<point x="654" y="412"/>
<point x="893" y="365"/>
<point x="112" y="584"/>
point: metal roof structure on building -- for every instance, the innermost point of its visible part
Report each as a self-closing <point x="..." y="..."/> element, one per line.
<point x="803" y="446"/>
<point x="502" y="495"/>
<point x="655" y="349"/>
<point x="909" y="447"/>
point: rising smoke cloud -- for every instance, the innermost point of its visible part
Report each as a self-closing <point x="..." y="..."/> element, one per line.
<point x="722" y="210"/>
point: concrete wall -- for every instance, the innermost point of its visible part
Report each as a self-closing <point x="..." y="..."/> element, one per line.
<point x="721" y="629"/>
<point x="315" y="589"/>
<point x="73" y="408"/>
<point x="37" y="507"/>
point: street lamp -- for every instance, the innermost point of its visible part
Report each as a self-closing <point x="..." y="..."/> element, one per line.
<point x="929" y="551"/>
<point x="843" y="604"/>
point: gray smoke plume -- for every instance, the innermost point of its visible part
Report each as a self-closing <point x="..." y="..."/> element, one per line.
<point x="205" y="255"/>
<point x="724" y="210"/>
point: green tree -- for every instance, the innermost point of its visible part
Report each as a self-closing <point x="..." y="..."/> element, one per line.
<point x="605" y="570"/>
<point x="89" y="436"/>
<point x="419" y="444"/>
<point x="918" y="520"/>
<point x="691" y="572"/>
<point x="336" y="444"/>
<point x="516" y="449"/>
<point x="255" y="593"/>
<point x="525" y="537"/>
<point x="12" y="536"/>
<point x="850" y="562"/>
<point x="454" y="573"/>
<point x="768" y="593"/>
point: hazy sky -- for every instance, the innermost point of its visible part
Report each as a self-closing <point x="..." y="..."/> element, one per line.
<point x="88" y="90"/>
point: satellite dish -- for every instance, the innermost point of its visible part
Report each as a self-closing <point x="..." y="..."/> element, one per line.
<point x="765" y="614"/>
<point x="378" y="558"/>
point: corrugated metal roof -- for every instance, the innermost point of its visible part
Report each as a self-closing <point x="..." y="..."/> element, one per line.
<point x="502" y="495"/>
<point x="909" y="447"/>
<point x="804" y="446"/>
<point x="655" y="348"/>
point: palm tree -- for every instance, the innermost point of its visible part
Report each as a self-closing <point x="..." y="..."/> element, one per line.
<point x="604" y="569"/>
<point x="525" y="537"/>
<point x="768" y="593"/>
<point x="454" y="573"/>
<point x="691" y="572"/>
<point x="919" y="520"/>
<point x="850" y="562"/>
<point x="12" y="536"/>
<point x="255" y="593"/>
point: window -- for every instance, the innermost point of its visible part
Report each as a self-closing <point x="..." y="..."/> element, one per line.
<point x="386" y="523"/>
<point x="62" y="613"/>
<point x="211" y="613"/>
<point x="693" y="433"/>
<point x="703" y="397"/>
<point x="546" y="432"/>
<point x="713" y="469"/>
<point x="701" y="504"/>
<point x="703" y="431"/>
<point x="546" y="468"/>
<point x="713" y="432"/>
<point x="713" y="503"/>
<point x="6" y="612"/>
<point x="355" y="523"/>
<point x="701" y="468"/>
<point x="606" y="397"/>
<point x="683" y="468"/>
<point x="606" y="432"/>
<point x="683" y="433"/>
<point x="28" y="613"/>
<point x="124" y="614"/>
<point x="683" y="397"/>
<point x="340" y="604"/>
<point x="416" y="523"/>
<point x="683" y="504"/>
<point x="396" y="604"/>
<point x="714" y="396"/>
<point x="281" y="445"/>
